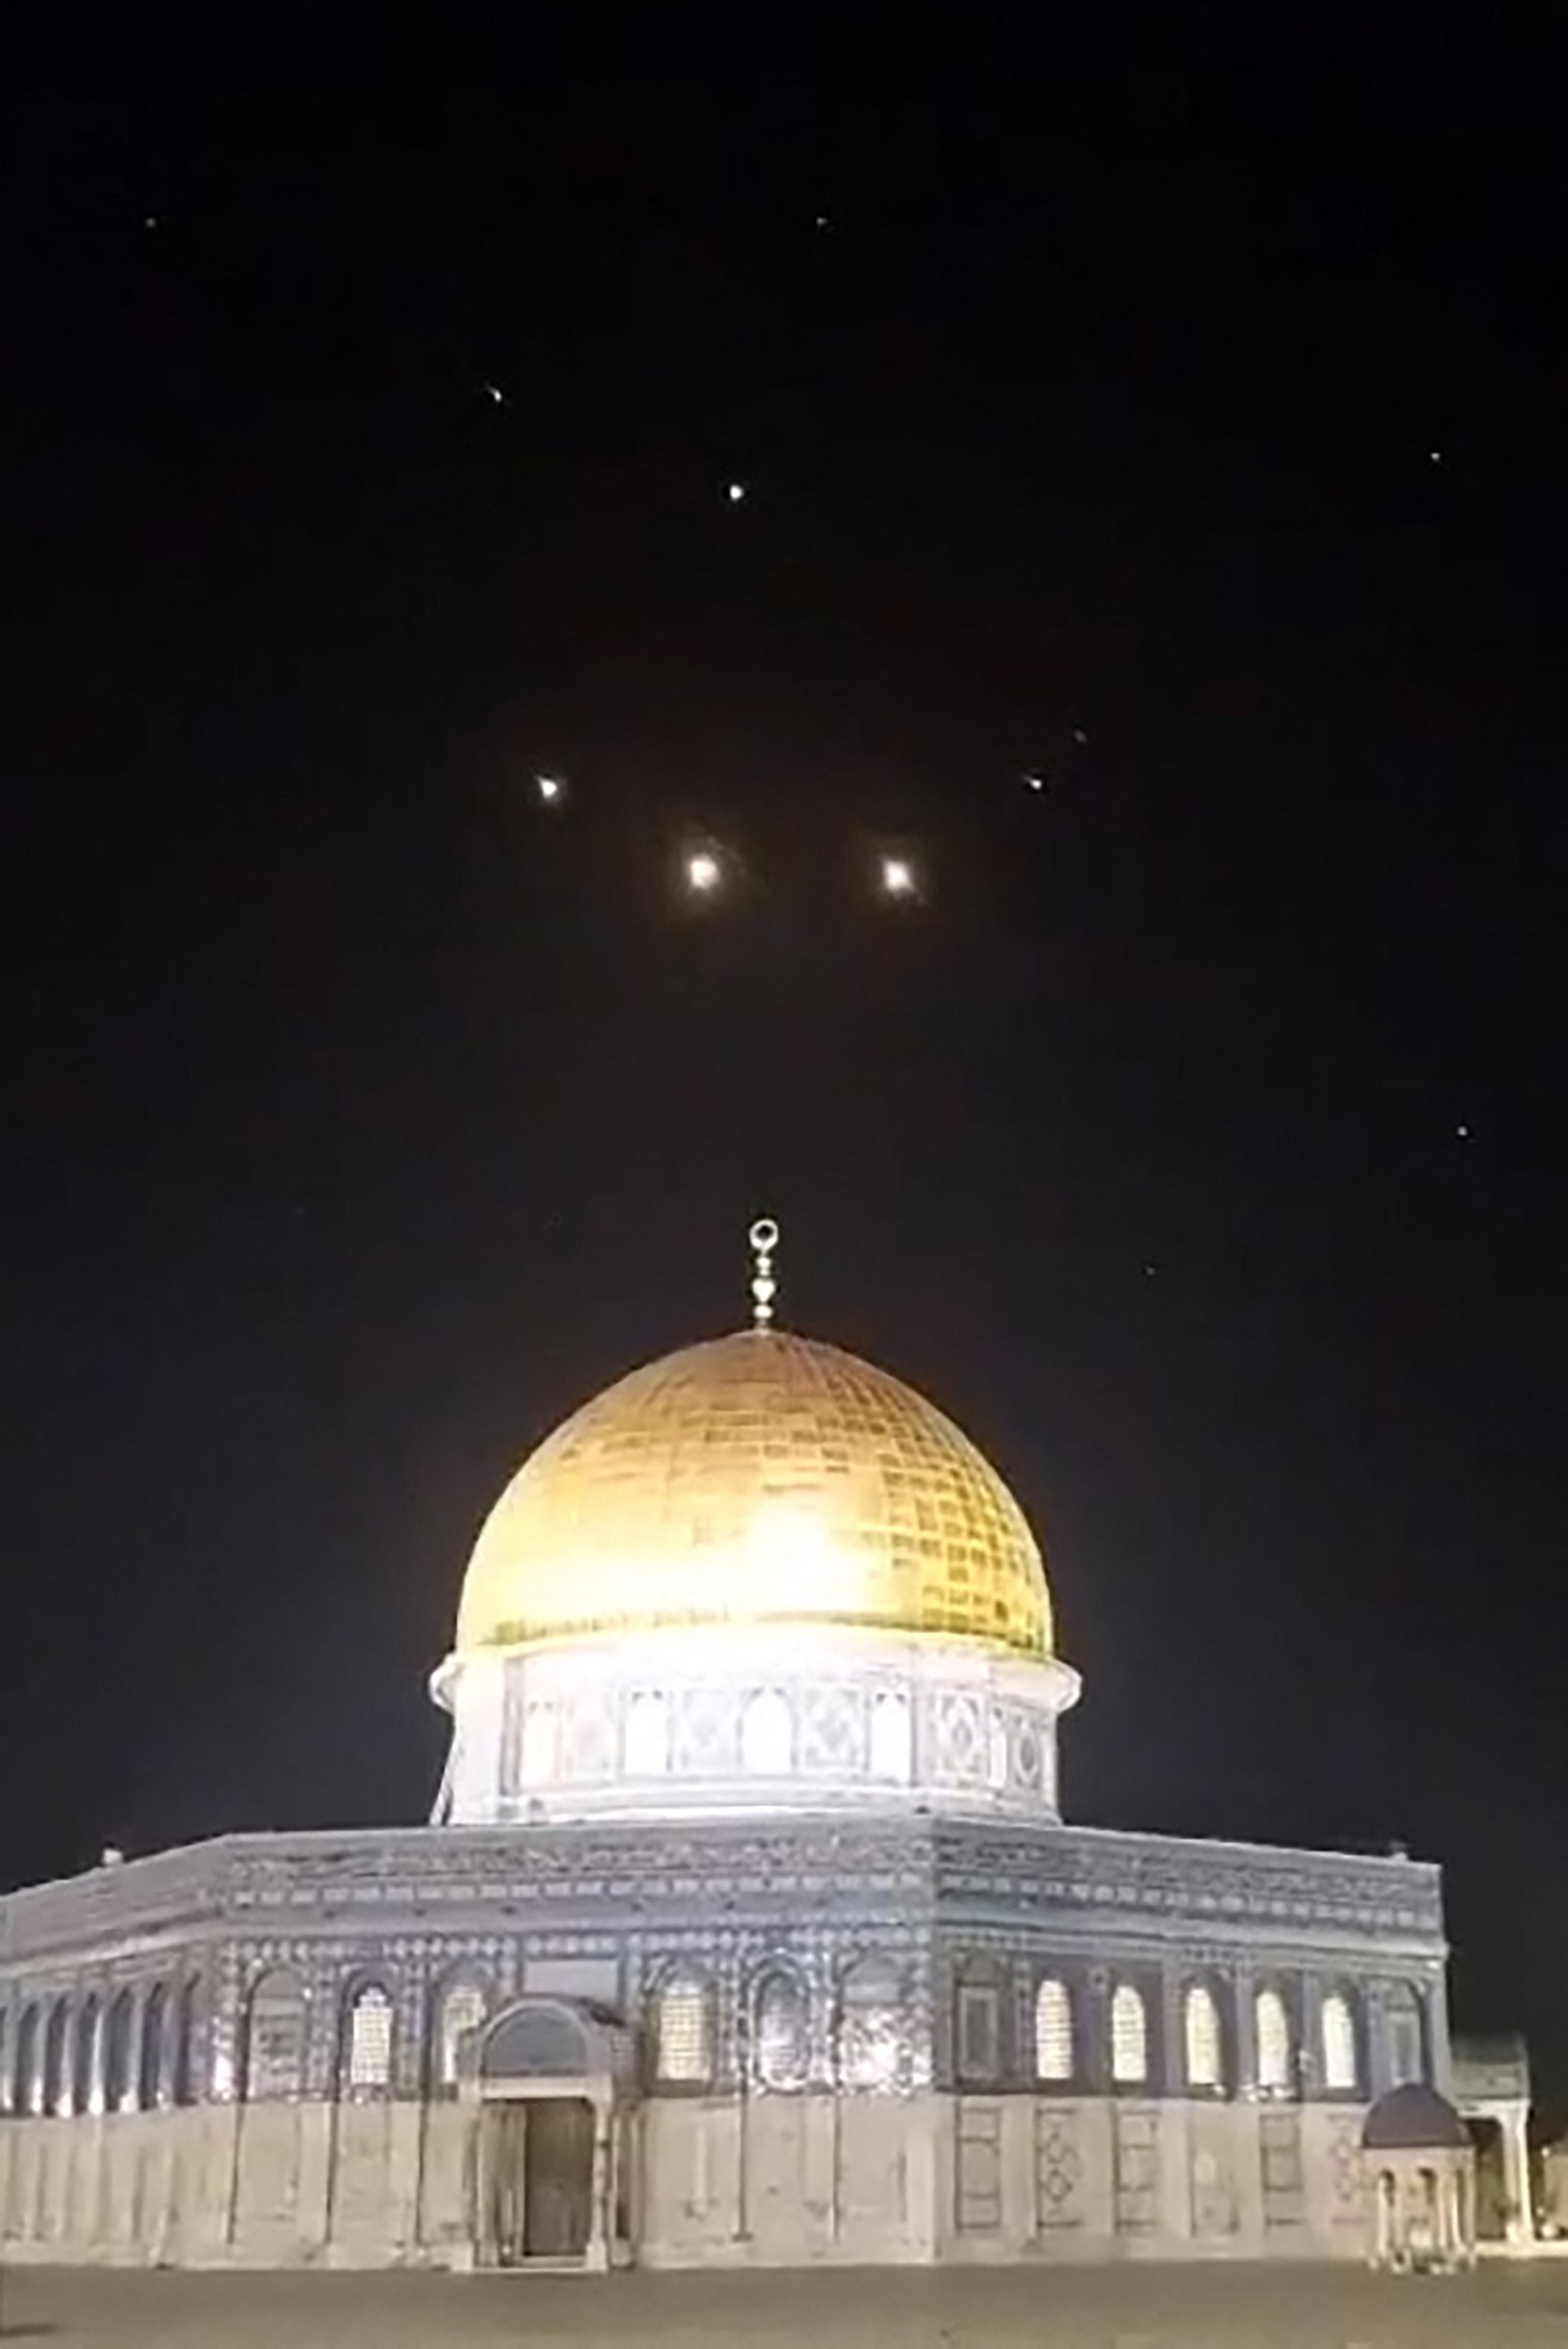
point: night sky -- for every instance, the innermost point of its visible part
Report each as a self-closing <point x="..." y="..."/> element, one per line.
<point x="1187" y="429"/>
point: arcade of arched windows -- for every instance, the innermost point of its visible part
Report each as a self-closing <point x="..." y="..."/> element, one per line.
<point x="1063" y="2027"/>
<point x="101" y="2049"/>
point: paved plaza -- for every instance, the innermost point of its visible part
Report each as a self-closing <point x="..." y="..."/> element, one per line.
<point x="1101" y="2308"/>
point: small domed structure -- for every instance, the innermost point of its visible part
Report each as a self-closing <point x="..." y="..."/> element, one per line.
<point x="1419" y="2166"/>
<point x="1414" y="2119"/>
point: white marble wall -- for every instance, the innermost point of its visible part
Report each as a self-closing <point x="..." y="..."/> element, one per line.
<point x="722" y="1719"/>
<point x="761" y="2181"/>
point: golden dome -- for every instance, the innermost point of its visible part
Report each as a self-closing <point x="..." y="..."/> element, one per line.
<point x="756" y="1478"/>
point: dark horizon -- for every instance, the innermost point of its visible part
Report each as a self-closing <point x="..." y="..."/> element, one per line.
<point x="1184" y="427"/>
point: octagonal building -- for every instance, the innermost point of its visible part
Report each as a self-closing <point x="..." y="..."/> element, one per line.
<point x="747" y="1929"/>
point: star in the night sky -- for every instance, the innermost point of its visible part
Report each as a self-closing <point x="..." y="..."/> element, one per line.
<point x="493" y="391"/>
<point x="736" y="492"/>
<point x="1035" y="781"/>
<point x="550" y="788"/>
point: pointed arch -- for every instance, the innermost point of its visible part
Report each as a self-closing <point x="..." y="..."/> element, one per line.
<point x="768" y="1734"/>
<point x="25" y="2076"/>
<point x="1342" y="2071"/>
<point x="683" y="2029"/>
<point x="365" y="2043"/>
<point x="870" y="2024"/>
<point x="1276" y="2053"/>
<point x="150" y="2054"/>
<point x="891" y="1742"/>
<point x="57" y="2039"/>
<point x="1054" y="2035"/>
<point x="56" y="2085"/>
<point x="781" y="2031"/>
<point x="187" y="2031"/>
<point x="119" y="2035"/>
<point x="1405" y="2037"/>
<point x="86" y="2083"/>
<point x="459" y="2009"/>
<point x="1200" y="2039"/>
<point x="648" y="1735"/>
<point x="275" y="2037"/>
<point x="1129" y="2037"/>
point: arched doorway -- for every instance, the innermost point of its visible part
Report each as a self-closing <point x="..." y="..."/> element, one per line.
<point x="551" y="2080"/>
<point x="1492" y="2179"/>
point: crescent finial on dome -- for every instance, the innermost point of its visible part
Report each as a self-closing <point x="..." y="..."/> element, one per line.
<point x="764" y="1237"/>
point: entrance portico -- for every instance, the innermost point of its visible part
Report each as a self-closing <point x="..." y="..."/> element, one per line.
<point x="551" y="2080"/>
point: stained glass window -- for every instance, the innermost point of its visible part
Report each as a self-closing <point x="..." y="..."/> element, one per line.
<point x="1273" y="2025"/>
<point x="368" y="2064"/>
<point x="1129" y="2037"/>
<point x="782" y="2044"/>
<point x="275" y="2037"/>
<point x="462" y="2011"/>
<point x="684" y="2037"/>
<point x="1200" y="2028"/>
<point x="1339" y="2042"/>
<point x="1054" y="2031"/>
<point x="870" y="2026"/>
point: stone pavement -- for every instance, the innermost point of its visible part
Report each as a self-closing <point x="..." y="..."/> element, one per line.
<point x="1520" y="2305"/>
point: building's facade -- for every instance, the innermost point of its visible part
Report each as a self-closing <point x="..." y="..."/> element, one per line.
<point x="748" y="1930"/>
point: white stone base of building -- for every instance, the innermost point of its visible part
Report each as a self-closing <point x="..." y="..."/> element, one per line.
<point x="780" y="2180"/>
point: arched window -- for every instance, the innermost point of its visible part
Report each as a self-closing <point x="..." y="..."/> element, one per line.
<point x="647" y="1735"/>
<point x="1274" y="2051"/>
<point x="869" y="2033"/>
<point x="275" y="2037"/>
<point x="56" y="2087"/>
<point x="117" y="2053"/>
<point x="24" y="2077"/>
<point x="189" y="2022"/>
<point x="461" y="2009"/>
<point x="1200" y="2038"/>
<point x="367" y="2051"/>
<point x="889" y="1736"/>
<point x="539" y="1743"/>
<point x="782" y="2042"/>
<point x="1337" y="2031"/>
<point x="85" y="2094"/>
<point x="684" y="2033"/>
<point x="150" y="2064"/>
<point x="1129" y="2037"/>
<point x="767" y="1735"/>
<point x="1403" y="2036"/>
<point x="1053" y="2030"/>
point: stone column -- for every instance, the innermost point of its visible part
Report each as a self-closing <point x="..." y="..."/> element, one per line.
<point x="601" y="2206"/>
<point x="1520" y="2226"/>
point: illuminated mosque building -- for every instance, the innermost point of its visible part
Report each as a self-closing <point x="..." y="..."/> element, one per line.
<point x="747" y="1929"/>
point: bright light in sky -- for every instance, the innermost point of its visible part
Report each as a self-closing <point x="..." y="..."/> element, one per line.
<point x="898" y="876"/>
<point x="737" y="491"/>
<point x="549" y="787"/>
<point x="702" y="870"/>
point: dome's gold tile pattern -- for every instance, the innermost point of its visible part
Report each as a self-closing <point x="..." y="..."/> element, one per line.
<point x="753" y="1477"/>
